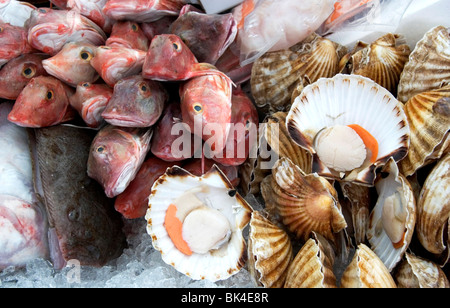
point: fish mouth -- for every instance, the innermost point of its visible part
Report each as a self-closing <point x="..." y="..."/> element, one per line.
<point x="121" y="183"/>
<point x="123" y="121"/>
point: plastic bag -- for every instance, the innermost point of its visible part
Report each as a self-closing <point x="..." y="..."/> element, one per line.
<point x="365" y="15"/>
<point x="271" y="25"/>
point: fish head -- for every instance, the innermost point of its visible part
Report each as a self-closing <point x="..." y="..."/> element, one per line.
<point x="72" y="63"/>
<point x="115" y="157"/>
<point x="128" y="34"/>
<point x="142" y="10"/>
<point x="43" y="102"/>
<point x="136" y="102"/>
<point x="13" y="42"/>
<point x="168" y="58"/>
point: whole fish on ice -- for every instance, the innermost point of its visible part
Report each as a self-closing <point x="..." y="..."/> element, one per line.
<point x="43" y="102"/>
<point x="73" y="64"/>
<point x="83" y="223"/>
<point x="23" y="220"/>
<point x="16" y="74"/>
<point x="128" y="34"/>
<point x="13" y="42"/>
<point x="115" y="156"/>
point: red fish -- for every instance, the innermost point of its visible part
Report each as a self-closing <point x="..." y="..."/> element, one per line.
<point x="117" y="62"/>
<point x="49" y="30"/>
<point x="206" y="108"/>
<point x="13" y="42"/>
<point x="200" y="166"/>
<point x="133" y="202"/>
<point x="128" y="34"/>
<point x="16" y="74"/>
<point x="142" y="10"/>
<point x="169" y="59"/>
<point x="43" y="102"/>
<point x="161" y="26"/>
<point x="90" y="100"/>
<point x="168" y="141"/>
<point x="206" y="35"/>
<point x="73" y="64"/>
<point x="136" y="102"/>
<point x="115" y="156"/>
<point x="92" y="9"/>
<point x="243" y="134"/>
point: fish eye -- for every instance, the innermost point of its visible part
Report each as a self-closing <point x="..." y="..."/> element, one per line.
<point x="49" y="95"/>
<point x="86" y="85"/>
<point x="176" y="46"/>
<point x="85" y="55"/>
<point x="100" y="149"/>
<point x="143" y="88"/>
<point x="28" y="72"/>
<point x="135" y="27"/>
<point x="41" y="10"/>
<point x="198" y="108"/>
<point x="247" y="124"/>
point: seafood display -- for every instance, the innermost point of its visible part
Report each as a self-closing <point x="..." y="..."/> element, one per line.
<point x="154" y="124"/>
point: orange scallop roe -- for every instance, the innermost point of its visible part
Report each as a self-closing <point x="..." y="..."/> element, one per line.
<point x="369" y="141"/>
<point x="174" y="228"/>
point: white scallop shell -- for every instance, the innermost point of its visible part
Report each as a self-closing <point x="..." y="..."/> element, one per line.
<point x="218" y="264"/>
<point x="345" y="100"/>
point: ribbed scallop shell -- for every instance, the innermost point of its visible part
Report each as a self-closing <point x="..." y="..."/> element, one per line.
<point x="312" y="267"/>
<point x="428" y="116"/>
<point x="428" y="67"/>
<point x="275" y="75"/>
<point x="392" y="184"/>
<point x="366" y="271"/>
<point x="304" y="202"/>
<point x="433" y="210"/>
<point x="216" y="264"/>
<point x="382" y="61"/>
<point x="269" y="251"/>
<point x="417" y="272"/>
<point x="345" y="100"/>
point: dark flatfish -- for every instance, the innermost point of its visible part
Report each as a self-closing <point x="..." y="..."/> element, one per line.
<point x="87" y="227"/>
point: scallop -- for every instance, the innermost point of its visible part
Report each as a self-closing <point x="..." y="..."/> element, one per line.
<point x="428" y="115"/>
<point x="304" y="202"/>
<point x="269" y="251"/>
<point x="393" y="218"/>
<point x="428" y="67"/>
<point x="312" y="266"/>
<point x="382" y="61"/>
<point x="196" y="223"/>
<point x="350" y="125"/>
<point x="277" y="74"/>
<point x="417" y="272"/>
<point x="366" y="270"/>
<point x="433" y="211"/>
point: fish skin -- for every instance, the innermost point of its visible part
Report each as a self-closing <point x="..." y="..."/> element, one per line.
<point x="16" y="74"/>
<point x="80" y="215"/>
<point x="206" y="35"/>
<point x="23" y="220"/>
<point x="213" y="94"/>
<point x="92" y="9"/>
<point x="142" y="10"/>
<point x="72" y="64"/>
<point x="136" y="102"/>
<point x="43" y="102"/>
<point x="14" y="42"/>
<point x="15" y="13"/>
<point x="115" y="156"/>
<point x="163" y="137"/>
<point x="161" y="26"/>
<point x="90" y="99"/>
<point x="117" y="62"/>
<point x="128" y="34"/>
<point x="50" y="29"/>
<point x="244" y="115"/>
<point x="133" y="202"/>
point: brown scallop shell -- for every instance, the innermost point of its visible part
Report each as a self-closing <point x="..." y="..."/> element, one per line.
<point x="269" y="251"/>
<point x="312" y="267"/>
<point x="428" y="116"/>
<point x="428" y="67"/>
<point x="382" y="61"/>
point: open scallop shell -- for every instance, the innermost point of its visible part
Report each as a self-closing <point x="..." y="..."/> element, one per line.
<point x="277" y="74"/>
<point x="304" y="202"/>
<point x="417" y="272"/>
<point x="428" y="116"/>
<point x="382" y="61"/>
<point x="433" y="211"/>
<point x="269" y="251"/>
<point x="346" y="100"/>
<point x="366" y="271"/>
<point x="428" y="67"/>
<point x="217" y="193"/>
<point x="312" y="267"/>
<point x="393" y="218"/>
